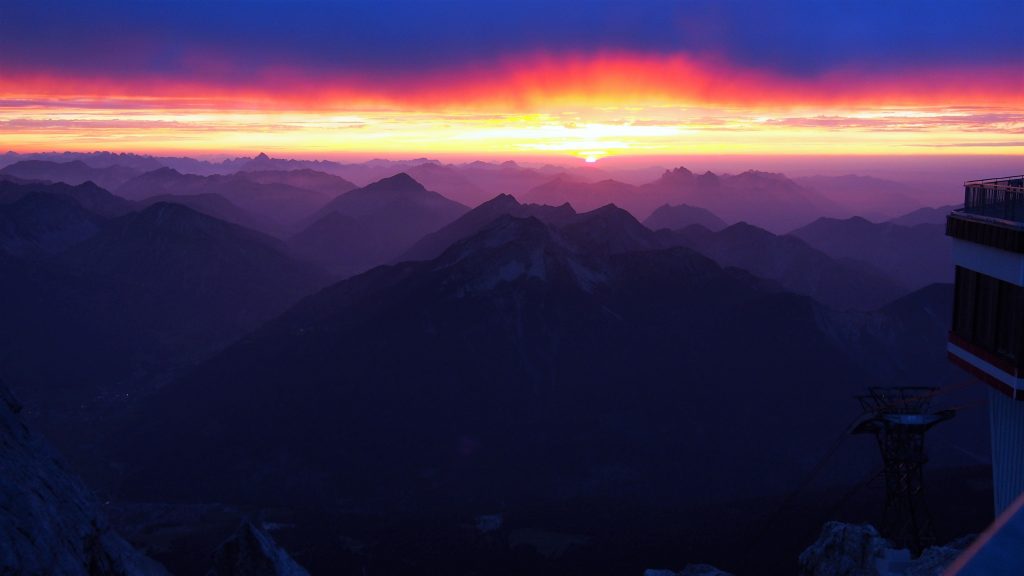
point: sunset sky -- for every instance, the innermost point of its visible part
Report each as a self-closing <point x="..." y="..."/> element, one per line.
<point x="587" y="79"/>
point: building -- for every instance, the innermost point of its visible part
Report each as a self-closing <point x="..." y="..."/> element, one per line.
<point x="987" y="338"/>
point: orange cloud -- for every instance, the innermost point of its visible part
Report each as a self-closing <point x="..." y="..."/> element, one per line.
<point x="535" y="82"/>
<point x="589" y="106"/>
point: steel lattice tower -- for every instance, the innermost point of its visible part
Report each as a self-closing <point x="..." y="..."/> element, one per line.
<point x="899" y="418"/>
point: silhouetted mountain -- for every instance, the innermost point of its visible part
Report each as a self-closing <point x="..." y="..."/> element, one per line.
<point x="138" y="162"/>
<point x="905" y="342"/>
<point x="905" y="339"/>
<point x="505" y="178"/>
<point x="162" y="181"/>
<point x="863" y="196"/>
<point x="51" y="523"/>
<point x="926" y="216"/>
<point x="146" y="295"/>
<point x="512" y="368"/>
<point x="434" y="244"/>
<point x="374" y="224"/>
<point x="448" y="181"/>
<point x="584" y="196"/>
<point x="328" y="185"/>
<point x="795" y="265"/>
<point x="611" y="230"/>
<point x="368" y="172"/>
<point x="767" y="200"/>
<point x="87" y="195"/>
<point x="74" y="172"/>
<point x="281" y="205"/>
<point x="210" y="204"/>
<point x="915" y="256"/>
<point x="395" y="191"/>
<point x="39" y="225"/>
<point x="682" y="216"/>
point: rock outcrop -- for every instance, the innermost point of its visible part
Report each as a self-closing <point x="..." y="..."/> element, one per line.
<point x="859" y="550"/>
<point x="50" y="524"/>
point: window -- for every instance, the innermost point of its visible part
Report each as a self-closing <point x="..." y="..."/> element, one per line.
<point x="989" y="313"/>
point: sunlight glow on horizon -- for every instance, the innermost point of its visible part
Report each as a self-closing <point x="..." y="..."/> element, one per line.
<point x="621" y="105"/>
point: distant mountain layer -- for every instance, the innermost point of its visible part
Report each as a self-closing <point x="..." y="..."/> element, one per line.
<point x="373" y="225"/>
<point x="207" y="203"/>
<point x="271" y="198"/>
<point x="327" y="184"/>
<point x="915" y="256"/>
<point x="145" y="294"/>
<point x="585" y="196"/>
<point x="926" y="216"/>
<point x="88" y="195"/>
<point x="434" y="244"/>
<point x="798" y="267"/>
<point x="771" y="201"/>
<point x="682" y="216"/>
<point x="449" y="181"/>
<point x="74" y="172"/>
<point x="871" y="198"/>
<point x="51" y="523"/>
<point x="39" y="225"/>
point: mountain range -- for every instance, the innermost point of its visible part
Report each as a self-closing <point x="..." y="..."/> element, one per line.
<point x="549" y="365"/>
<point x="39" y="225"/>
<point x="273" y="198"/>
<point x="73" y="172"/>
<point x="88" y="195"/>
<point x="914" y="256"/>
<point x="682" y="216"/>
<point x="123" y="302"/>
<point x="556" y="359"/>
<point x="840" y="283"/>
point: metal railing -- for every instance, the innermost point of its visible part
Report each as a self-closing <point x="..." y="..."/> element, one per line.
<point x="1001" y="198"/>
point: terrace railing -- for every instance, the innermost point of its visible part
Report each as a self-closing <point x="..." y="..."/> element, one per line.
<point x="1001" y="198"/>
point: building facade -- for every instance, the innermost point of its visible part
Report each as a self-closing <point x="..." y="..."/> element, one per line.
<point x="987" y="337"/>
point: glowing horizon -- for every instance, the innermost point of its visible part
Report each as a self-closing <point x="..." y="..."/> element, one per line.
<point x="173" y="88"/>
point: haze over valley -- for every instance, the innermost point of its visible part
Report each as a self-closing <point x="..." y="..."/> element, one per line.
<point x="571" y="341"/>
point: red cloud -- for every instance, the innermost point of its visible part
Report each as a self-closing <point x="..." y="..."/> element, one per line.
<point x="535" y="81"/>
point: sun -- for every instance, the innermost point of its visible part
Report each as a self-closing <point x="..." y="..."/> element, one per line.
<point x="591" y="156"/>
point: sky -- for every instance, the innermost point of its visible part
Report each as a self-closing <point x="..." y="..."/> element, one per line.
<point x="586" y="79"/>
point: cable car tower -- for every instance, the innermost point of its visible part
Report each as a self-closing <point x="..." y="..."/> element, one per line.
<point x="899" y="418"/>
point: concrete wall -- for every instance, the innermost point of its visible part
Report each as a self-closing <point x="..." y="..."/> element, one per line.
<point x="1007" y="417"/>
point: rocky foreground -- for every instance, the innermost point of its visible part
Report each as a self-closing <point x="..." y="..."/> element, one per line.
<point x="52" y="525"/>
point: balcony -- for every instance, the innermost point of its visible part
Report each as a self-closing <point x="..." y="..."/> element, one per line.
<point x="993" y="214"/>
<point x="999" y="198"/>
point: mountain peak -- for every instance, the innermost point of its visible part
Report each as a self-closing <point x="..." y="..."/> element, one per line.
<point x="399" y="182"/>
<point x="500" y="201"/>
<point x="680" y="171"/>
<point x="164" y="171"/>
<point x="746" y="230"/>
<point x="261" y="156"/>
<point x="513" y="249"/>
<point x="163" y="213"/>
